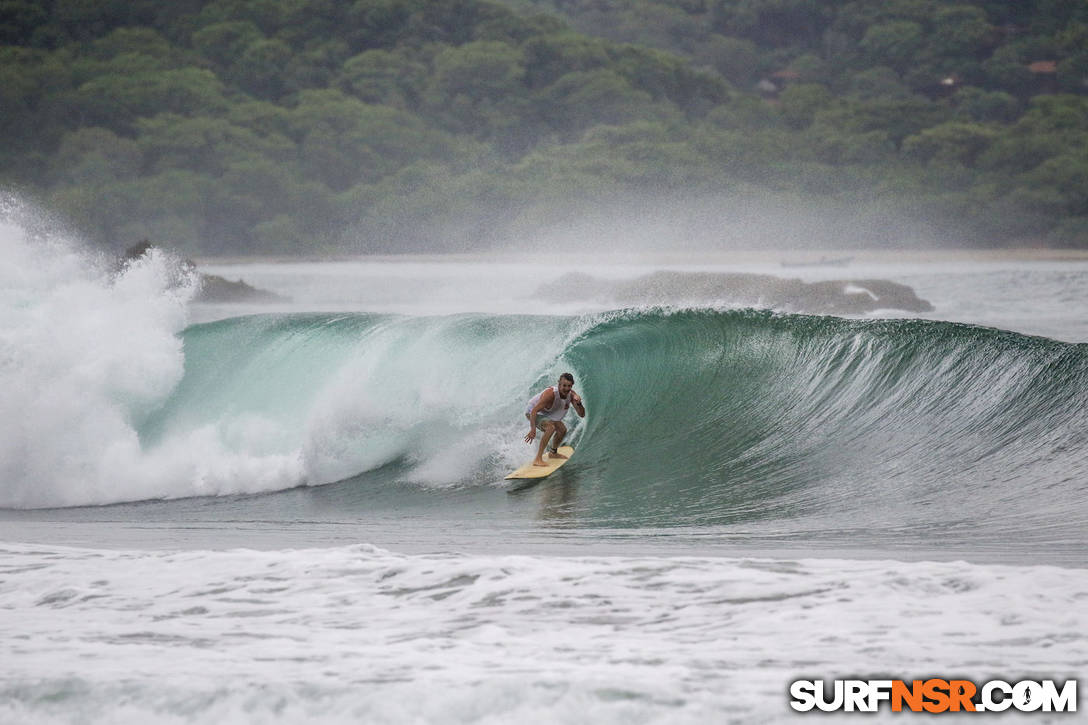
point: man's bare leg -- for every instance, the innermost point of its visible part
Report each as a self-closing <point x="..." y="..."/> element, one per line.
<point x="560" y="434"/>
<point x="548" y="430"/>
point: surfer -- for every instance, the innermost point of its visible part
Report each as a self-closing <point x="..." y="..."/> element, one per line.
<point x="546" y="410"/>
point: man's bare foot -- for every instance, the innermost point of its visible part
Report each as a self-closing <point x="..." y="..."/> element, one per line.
<point x="539" y="463"/>
<point x="555" y="454"/>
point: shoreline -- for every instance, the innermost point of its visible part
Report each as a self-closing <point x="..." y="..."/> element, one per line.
<point x="786" y="257"/>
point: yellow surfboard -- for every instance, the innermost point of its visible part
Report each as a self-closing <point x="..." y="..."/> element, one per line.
<point x="531" y="471"/>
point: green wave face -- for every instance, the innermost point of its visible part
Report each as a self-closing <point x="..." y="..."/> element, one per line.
<point x="695" y="418"/>
<point x="714" y="418"/>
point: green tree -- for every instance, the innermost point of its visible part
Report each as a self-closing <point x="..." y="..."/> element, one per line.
<point x="855" y="18"/>
<point x="979" y="105"/>
<point x="88" y="19"/>
<point x="260" y="68"/>
<point x="894" y="43"/>
<point x="641" y="155"/>
<point x="801" y="102"/>
<point x="745" y="113"/>
<point x="480" y="70"/>
<point x="98" y="210"/>
<point x="515" y="29"/>
<point x="18" y="19"/>
<point x="116" y="101"/>
<point x="144" y="42"/>
<point x="667" y="76"/>
<point x="962" y="31"/>
<point x="1066" y="178"/>
<point x="898" y="117"/>
<point x="450" y="22"/>
<point x="383" y="77"/>
<point x="206" y="144"/>
<point x="344" y="141"/>
<point x="549" y="57"/>
<point x="379" y="24"/>
<point x="477" y="88"/>
<point x="315" y="67"/>
<point x="19" y="91"/>
<point x="1013" y="152"/>
<point x="282" y="234"/>
<point x="1007" y="70"/>
<point x="248" y="192"/>
<point x="115" y="90"/>
<point x="1070" y="232"/>
<point x="96" y="156"/>
<point x="657" y="25"/>
<point x="735" y="58"/>
<point x="878" y="82"/>
<point x="223" y="42"/>
<point x="1056" y="113"/>
<point x="586" y="98"/>
<point x="773" y="23"/>
<point x="1050" y="16"/>
<point x="265" y="118"/>
<point x="833" y="146"/>
<point x="298" y="22"/>
<point x="951" y="141"/>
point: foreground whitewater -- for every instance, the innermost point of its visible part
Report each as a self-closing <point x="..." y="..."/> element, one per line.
<point x="247" y="515"/>
<point x="358" y="634"/>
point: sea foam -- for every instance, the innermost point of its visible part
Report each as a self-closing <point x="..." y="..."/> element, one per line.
<point x="87" y="351"/>
<point x="362" y="634"/>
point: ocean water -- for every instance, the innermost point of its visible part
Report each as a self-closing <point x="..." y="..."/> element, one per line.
<point x="296" y="511"/>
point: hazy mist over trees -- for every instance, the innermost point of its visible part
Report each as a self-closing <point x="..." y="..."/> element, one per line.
<point x="312" y="126"/>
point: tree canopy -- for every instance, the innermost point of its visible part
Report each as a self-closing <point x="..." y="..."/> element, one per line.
<point x="302" y="126"/>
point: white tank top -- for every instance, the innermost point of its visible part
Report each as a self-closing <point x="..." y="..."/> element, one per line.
<point x="559" y="405"/>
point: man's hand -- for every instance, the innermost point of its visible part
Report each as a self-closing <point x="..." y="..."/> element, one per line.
<point x="531" y="435"/>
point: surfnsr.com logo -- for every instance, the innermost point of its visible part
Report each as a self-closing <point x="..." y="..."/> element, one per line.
<point x="933" y="695"/>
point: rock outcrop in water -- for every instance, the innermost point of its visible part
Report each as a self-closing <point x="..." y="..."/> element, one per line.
<point x="835" y="297"/>
<point x="213" y="288"/>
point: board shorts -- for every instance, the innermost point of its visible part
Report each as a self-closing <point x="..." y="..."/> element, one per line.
<point x="540" y="420"/>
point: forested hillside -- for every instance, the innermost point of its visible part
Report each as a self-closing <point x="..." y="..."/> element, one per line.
<point x="302" y="126"/>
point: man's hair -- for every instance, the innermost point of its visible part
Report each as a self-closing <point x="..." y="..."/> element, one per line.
<point x="567" y="376"/>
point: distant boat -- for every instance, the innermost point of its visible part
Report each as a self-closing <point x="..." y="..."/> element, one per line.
<point x="821" y="262"/>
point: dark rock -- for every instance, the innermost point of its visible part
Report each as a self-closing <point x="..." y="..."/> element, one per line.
<point x="665" y="288"/>
<point x="212" y="288"/>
